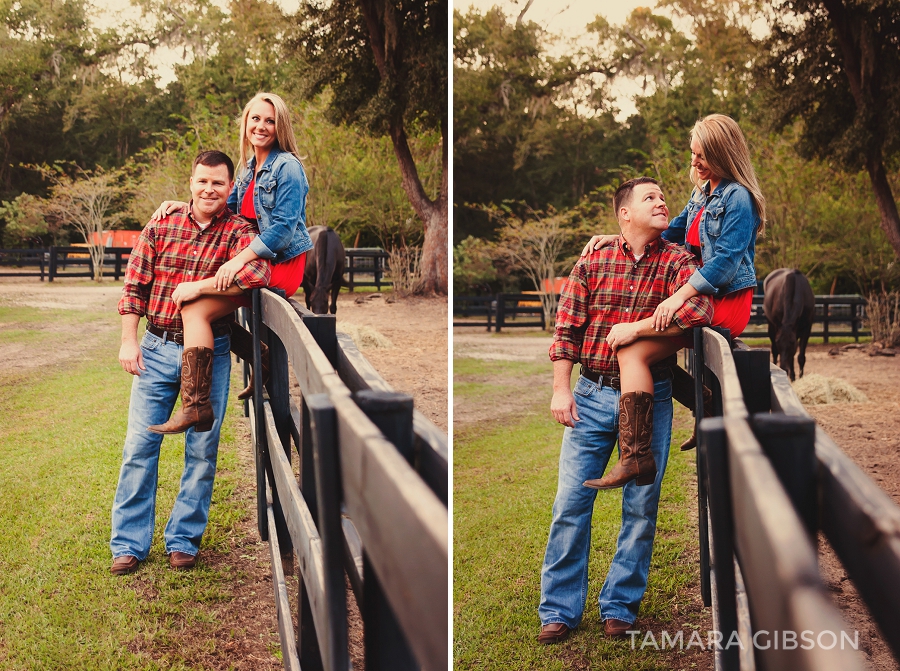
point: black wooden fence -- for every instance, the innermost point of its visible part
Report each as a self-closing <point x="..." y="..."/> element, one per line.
<point x="53" y="262"/>
<point x="768" y="481"/>
<point x="366" y="261"/>
<point x="841" y="315"/>
<point x="61" y="262"/>
<point x="370" y="502"/>
<point x="500" y="310"/>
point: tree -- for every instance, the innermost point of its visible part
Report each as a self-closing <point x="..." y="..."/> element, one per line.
<point x="835" y="64"/>
<point x="536" y="245"/>
<point x="86" y="203"/>
<point x="386" y="64"/>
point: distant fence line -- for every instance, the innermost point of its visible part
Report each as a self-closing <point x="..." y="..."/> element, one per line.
<point x="71" y="261"/>
<point x="840" y="315"/>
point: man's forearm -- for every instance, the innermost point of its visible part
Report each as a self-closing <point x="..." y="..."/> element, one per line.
<point x="562" y="374"/>
<point x="130" y="323"/>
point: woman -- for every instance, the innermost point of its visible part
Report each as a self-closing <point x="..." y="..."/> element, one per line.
<point x="719" y="225"/>
<point x="270" y="189"/>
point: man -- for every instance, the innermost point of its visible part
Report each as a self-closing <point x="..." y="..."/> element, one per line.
<point x="187" y="245"/>
<point x="608" y="302"/>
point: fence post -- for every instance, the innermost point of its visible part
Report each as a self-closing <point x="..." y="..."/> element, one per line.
<point x="826" y="320"/>
<point x="702" y="519"/>
<point x="386" y="647"/>
<point x="789" y="441"/>
<point x="501" y="313"/>
<point x="712" y="450"/>
<point x="753" y="372"/>
<point x="327" y="513"/>
<point x="52" y="272"/>
<point x="379" y="270"/>
<point x="261" y="453"/>
<point x="43" y="260"/>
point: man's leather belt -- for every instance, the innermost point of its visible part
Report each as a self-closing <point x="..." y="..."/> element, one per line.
<point x="177" y="335"/>
<point x="615" y="382"/>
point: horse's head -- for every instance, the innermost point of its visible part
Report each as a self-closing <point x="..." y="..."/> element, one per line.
<point x="318" y="302"/>
<point x="786" y="342"/>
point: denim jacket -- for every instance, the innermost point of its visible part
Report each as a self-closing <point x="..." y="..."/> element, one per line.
<point x="279" y="199"/>
<point x="727" y="237"/>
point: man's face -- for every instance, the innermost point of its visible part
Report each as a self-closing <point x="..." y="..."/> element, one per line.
<point x="210" y="187"/>
<point x="647" y="208"/>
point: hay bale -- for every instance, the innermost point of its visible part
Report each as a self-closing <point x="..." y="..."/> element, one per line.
<point x="817" y="389"/>
<point x="365" y="337"/>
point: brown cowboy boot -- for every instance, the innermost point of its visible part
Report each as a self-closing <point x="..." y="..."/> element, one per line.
<point x="635" y="435"/>
<point x="196" y="383"/>
<point x="242" y="346"/>
<point x="683" y="392"/>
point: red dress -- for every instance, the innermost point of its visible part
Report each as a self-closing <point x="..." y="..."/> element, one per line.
<point x="287" y="275"/>
<point x="731" y="311"/>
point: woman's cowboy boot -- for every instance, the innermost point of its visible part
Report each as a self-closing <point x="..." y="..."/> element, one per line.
<point x="242" y="346"/>
<point x="196" y="383"/>
<point x="683" y="392"/>
<point x="635" y="436"/>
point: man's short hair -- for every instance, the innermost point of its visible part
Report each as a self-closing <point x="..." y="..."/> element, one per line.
<point x="623" y="193"/>
<point x="211" y="159"/>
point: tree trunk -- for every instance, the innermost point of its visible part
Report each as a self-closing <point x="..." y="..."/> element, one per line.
<point x="434" y="214"/>
<point x="887" y="206"/>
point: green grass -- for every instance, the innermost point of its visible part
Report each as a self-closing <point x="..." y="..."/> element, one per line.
<point x="504" y="481"/>
<point x="61" y="433"/>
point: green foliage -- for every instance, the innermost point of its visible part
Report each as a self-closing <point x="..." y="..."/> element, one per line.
<point x="24" y="222"/>
<point x="528" y="126"/>
<point x="473" y="266"/>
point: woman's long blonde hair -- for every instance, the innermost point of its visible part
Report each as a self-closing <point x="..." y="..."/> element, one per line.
<point x="726" y="153"/>
<point x="284" y="132"/>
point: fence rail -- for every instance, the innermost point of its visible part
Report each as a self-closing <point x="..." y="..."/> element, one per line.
<point x="366" y="261"/>
<point x="769" y="480"/>
<point x="840" y="315"/>
<point x="59" y="262"/>
<point x="501" y="310"/>
<point x="370" y="500"/>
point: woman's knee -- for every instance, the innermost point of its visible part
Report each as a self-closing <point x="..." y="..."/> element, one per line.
<point x="634" y="356"/>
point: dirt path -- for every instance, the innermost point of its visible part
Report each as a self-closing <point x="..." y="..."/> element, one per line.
<point x="868" y="432"/>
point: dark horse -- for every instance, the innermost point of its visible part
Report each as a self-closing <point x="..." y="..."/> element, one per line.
<point x="790" y="308"/>
<point x="324" y="270"/>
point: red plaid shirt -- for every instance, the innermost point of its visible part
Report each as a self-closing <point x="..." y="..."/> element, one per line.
<point x="175" y="250"/>
<point x="609" y="287"/>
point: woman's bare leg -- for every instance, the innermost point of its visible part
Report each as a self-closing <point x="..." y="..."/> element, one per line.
<point x="635" y="361"/>
<point x="198" y="316"/>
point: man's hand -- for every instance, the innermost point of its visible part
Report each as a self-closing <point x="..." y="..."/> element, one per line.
<point x="131" y="358"/>
<point x="623" y="334"/>
<point x="185" y="292"/>
<point x="562" y="407"/>
<point x="225" y="274"/>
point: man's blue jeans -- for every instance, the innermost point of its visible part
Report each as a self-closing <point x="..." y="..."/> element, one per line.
<point x="153" y="396"/>
<point x="585" y="452"/>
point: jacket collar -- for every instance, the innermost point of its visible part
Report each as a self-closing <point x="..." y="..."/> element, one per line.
<point x="273" y="154"/>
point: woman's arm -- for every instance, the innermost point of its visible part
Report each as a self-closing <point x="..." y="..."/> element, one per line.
<point x="678" y="226"/>
<point x="290" y="198"/>
<point x="737" y="234"/>
<point x="226" y="272"/>
<point x="597" y="242"/>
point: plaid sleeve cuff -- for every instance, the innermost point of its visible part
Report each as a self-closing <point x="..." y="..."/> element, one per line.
<point x="564" y="349"/>
<point x="253" y="275"/>
<point x="132" y="305"/>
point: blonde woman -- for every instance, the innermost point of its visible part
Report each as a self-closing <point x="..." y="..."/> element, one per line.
<point x="270" y="189"/>
<point x="719" y="225"/>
